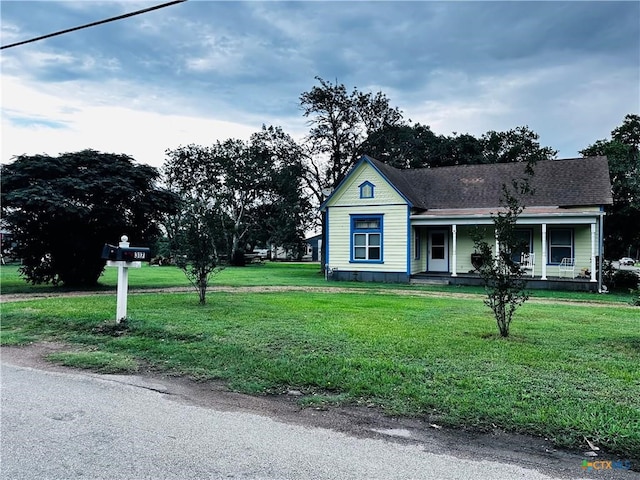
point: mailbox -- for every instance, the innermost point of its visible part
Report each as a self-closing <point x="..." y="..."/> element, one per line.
<point x="126" y="254"/>
<point x="109" y="252"/>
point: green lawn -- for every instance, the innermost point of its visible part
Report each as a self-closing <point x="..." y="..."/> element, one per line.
<point x="566" y="373"/>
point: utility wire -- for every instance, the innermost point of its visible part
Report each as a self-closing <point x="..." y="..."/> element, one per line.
<point x="93" y="24"/>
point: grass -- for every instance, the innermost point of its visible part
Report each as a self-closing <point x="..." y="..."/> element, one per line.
<point x="427" y="357"/>
<point x="567" y="372"/>
<point x="97" y="361"/>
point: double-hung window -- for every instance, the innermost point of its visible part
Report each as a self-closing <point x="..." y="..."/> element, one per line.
<point x="366" y="238"/>
<point x="560" y="245"/>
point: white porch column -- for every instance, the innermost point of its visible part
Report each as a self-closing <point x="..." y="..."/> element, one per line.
<point x="543" y="260"/>
<point x="593" y="252"/>
<point x="497" y="252"/>
<point x="454" y="267"/>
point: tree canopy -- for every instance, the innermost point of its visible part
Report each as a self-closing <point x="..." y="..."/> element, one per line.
<point x="339" y="123"/>
<point x="61" y="210"/>
<point x="417" y="146"/>
<point x="622" y="234"/>
<point x="252" y="189"/>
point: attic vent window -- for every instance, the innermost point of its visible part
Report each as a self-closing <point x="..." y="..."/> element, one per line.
<point x="366" y="190"/>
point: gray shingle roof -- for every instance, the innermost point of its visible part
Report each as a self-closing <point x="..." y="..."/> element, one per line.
<point x="563" y="183"/>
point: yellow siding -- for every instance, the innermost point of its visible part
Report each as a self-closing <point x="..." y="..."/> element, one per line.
<point x="465" y="248"/>
<point x="349" y="192"/>
<point x="394" y="238"/>
<point x="582" y="248"/>
<point x="417" y="264"/>
<point x="387" y="202"/>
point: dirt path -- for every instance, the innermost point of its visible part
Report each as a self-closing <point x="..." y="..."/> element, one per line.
<point x="18" y="297"/>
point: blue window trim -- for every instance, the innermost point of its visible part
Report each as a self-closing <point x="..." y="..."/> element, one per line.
<point x="571" y="230"/>
<point x="380" y="230"/>
<point x="325" y="247"/>
<point x="409" y="261"/>
<point x="367" y="184"/>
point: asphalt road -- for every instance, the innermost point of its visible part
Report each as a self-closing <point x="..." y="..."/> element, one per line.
<point x="59" y="425"/>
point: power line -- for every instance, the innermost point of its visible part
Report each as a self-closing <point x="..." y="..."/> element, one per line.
<point x="93" y="24"/>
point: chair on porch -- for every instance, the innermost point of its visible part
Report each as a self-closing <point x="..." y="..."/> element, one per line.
<point x="567" y="266"/>
<point x="528" y="262"/>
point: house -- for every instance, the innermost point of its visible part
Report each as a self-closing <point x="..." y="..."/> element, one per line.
<point x="389" y="225"/>
<point x="314" y="246"/>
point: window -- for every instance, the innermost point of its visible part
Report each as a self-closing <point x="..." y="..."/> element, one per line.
<point x="366" y="190"/>
<point x="524" y="244"/>
<point x="417" y="246"/>
<point x="560" y="245"/>
<point x="366" y="238"/>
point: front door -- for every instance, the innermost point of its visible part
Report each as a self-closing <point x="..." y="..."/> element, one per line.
<point x="438" y="260"/>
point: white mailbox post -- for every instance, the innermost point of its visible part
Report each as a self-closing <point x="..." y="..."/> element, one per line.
<point x="124" y="257"/>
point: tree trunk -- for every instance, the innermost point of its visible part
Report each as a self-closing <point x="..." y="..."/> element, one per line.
<point x="202" y="289"/>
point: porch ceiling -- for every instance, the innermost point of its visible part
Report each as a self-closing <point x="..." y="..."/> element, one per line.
<point x="482" y="216"/>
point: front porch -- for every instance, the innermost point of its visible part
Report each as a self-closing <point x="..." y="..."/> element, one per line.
<point x="559" y="252"/>
<point x="578" y="284"/>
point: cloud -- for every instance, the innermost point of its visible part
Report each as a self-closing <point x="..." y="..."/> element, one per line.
<point x="142" y="134"/>
<point x="217" y="69"/>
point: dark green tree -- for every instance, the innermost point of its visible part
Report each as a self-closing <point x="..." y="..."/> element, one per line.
<point x="223" y="179"/>
<point x="197" y="241"/>
<point x="519" y="144"/>
<point x="621" y="232"/>
<point x="61" y="210"/>
<point x="284" y="215"/>
<point x="340" y="122"/>
<point x="416" y="146"/>
<point x="403" y="146"/>
<point x="238" y="183"/>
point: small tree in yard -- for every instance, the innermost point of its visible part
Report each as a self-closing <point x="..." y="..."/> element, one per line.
<point x="503" y="277"/>
<point x="195" y="246"/>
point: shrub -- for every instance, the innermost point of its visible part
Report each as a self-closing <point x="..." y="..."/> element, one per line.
<point x="625" y="280"/>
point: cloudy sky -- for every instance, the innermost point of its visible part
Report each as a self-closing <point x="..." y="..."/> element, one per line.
<point x="200" y="71"/>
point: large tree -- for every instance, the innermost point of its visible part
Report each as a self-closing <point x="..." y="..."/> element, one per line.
<point x="284" y="215"/>
<point x="240" y="182"/>
<point x="339" y="124"/>
<point x="519" y="144"/>
<point x="621" y="233"/>
<point x="61" y="210"/>
<point x="417" y="146"/>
